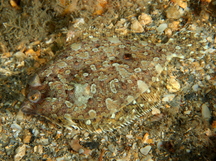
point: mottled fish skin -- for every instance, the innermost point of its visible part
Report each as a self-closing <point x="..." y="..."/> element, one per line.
<point x="100" y="83"/>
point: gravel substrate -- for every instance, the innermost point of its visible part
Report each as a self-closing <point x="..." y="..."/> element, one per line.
<point x="182" y="127"/>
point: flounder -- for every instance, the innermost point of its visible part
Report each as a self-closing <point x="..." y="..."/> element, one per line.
<point x="99" y="84"/>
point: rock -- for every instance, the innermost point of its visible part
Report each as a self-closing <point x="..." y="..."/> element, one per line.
<point x="155" y="111"/>
<point x="168" y="32"/>
<point x="136" y="26"/>
<point x="20" y="152"/>
<point x="168" y="97"/>
<point x="188" y="112"/>
<point x="27" y="137"/>
<point x="195" y="87"/>
<point x="162" y="27"/>
<point x="181" y="3"/>
<point x="159" y="145"/>
<point x="174" y="12"/>
<point x="19" y="116"/>
<point x="173" y="85"/>
<point x="144" y="19"/>
<point x="44" y="141"/>
<point x="145" y="150"/>
<point x="16" y="129"/>
<point x="206" y="113"/>
<point x="112" y="148"/>
<point x="38" y="149"/>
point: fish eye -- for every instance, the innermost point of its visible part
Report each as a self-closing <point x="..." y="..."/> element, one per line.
<point x="34" y="96"/>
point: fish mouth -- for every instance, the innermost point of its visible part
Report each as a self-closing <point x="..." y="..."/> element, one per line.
<point x="28" y="108"/>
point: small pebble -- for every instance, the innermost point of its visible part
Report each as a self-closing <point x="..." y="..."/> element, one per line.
<point x="111" y="147"/>
<point x="168" y="32"/>
<point x="206" y="113"/>
<point x="162" y="27"/>
<point x="16" y="129"/>
<point x="19" y="116"/>
<point x="144" y="19"/>
<point x="155" y="111"/>
<point x="44" y="141"/>
<point x="27" y="137"/>
<point x="159" y="144"/>
<point x="35" y="131"/>
<point x="187" y="112"/>
<point x="81" y="151"/>
<point x="20" y="152"/>
<point x="60" y="159"/>
<point x="79" y="22"/>
<point x="174" y="12"/>
<point x="15" y="126"/>
<point x="188" y="150"/>
<point x="145" y="150"/>
<point x="195" y="87"/>
<point x="40" y="149"/>
<point x="136" y="27"/>
<point x="173" y="85"/>
<point x="129" y="136"/>
<point x="168" y="97"/>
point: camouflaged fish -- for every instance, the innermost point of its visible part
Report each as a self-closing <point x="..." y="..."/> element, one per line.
<point x="99" y="84"/>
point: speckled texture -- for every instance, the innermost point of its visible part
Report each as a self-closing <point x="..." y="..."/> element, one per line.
<point x="181" y="127"/>
<point x="100" y="83"/>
